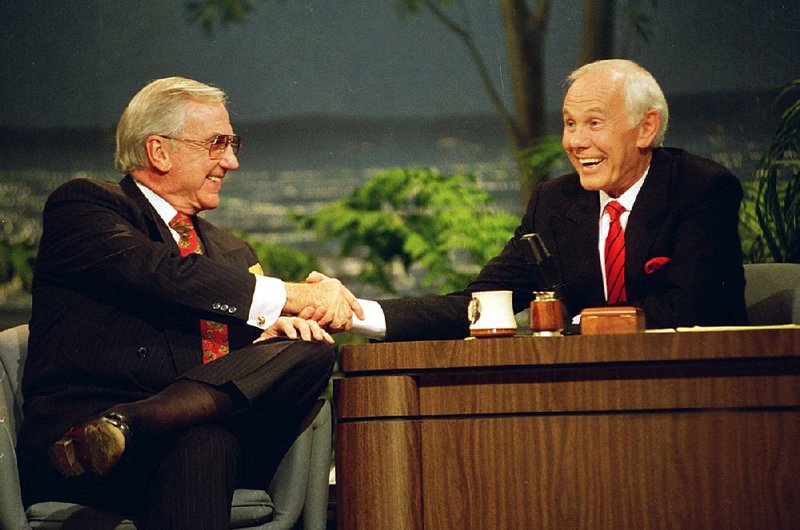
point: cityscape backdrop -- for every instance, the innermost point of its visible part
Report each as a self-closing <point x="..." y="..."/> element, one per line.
<point x="327" y="93"/>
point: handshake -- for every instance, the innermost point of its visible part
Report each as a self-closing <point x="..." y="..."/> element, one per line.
<point x="324" y="300"/>
<point x="314" y="310"/>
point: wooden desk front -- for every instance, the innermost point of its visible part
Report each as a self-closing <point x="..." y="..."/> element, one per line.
<point x="677" y="430"/>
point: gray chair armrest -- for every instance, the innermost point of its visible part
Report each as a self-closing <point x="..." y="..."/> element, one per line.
<point x="13" y="346"/>
<point x="12" y="512"/>
<point x="300" y="485"/>
<point x="772" y="293"/>
<point x="315" y="516"/>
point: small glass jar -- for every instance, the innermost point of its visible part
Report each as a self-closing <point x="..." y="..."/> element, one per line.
<point x="547" y="314"/>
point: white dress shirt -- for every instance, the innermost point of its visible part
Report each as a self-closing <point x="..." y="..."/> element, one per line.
<point x="627" y="200"/>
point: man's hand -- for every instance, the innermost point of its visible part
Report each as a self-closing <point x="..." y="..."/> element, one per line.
<point x="289" y="327"/>
<point x="332" y="303"/>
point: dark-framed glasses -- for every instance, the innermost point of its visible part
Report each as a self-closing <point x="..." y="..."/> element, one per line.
<point x="216" y="145"/>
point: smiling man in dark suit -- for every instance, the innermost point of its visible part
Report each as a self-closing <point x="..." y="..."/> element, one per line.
<point x="682" y="260"/>
<point x="159" y="377"/>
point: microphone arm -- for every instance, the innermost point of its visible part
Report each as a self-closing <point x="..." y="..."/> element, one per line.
<point x="544" y="264"/>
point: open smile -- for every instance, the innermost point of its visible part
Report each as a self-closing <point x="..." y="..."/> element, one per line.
<point x="591" y="162"/>
<point x="590" y="165"/>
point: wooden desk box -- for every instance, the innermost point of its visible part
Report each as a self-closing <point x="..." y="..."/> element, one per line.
<point x="611" y="320"/>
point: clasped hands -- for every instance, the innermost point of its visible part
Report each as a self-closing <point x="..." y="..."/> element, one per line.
<point x="314" y="309"/>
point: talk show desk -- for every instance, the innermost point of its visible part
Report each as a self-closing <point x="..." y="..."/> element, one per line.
<point x="650" y="430"/>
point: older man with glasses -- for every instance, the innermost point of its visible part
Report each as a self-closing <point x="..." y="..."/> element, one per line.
<point x="162" y="373"/>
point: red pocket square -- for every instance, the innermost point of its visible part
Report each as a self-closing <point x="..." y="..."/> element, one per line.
<point x="654" y="264"/>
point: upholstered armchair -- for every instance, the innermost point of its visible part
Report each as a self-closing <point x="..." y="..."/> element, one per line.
<point x="772" y="293"/>
<point x="296" y="498"/>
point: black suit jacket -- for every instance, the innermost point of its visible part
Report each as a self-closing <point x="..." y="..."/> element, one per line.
<point x="687" y="211"/>
<point x="116" y="307"/>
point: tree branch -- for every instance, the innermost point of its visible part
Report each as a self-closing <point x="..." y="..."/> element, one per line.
<point x="477" y="58"/>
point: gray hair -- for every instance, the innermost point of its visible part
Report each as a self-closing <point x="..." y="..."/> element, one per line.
<point x="158" y="108"/>
<point x="641" y="91"/>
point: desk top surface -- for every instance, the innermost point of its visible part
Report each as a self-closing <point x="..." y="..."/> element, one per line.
<point x="543" y="351"/>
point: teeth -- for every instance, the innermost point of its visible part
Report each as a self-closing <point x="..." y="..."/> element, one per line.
<point x="586" y="161"/>
<point x="214" y="179"/>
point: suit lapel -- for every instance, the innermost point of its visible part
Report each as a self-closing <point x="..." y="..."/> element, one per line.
<point x="183" y="336"/>
<point x="576" y="233"/>
<point x="220" y="249"/>
<point x="156" y="228"/>
<point x="214" y="247"/>
<point x="646" y="219"/>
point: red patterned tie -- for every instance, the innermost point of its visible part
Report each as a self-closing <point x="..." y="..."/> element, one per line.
<point x="213" y="335"/>
<point x="615" y="255"/>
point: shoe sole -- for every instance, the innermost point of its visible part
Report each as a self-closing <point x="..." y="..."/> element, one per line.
<point x="96" y="447"/>
<point x="65" y="459"/>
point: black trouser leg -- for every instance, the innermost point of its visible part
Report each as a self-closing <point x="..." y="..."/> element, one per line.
<point x="258" y="396"/>
<point x="277" y="416"/>
<point x="193" y="484"/>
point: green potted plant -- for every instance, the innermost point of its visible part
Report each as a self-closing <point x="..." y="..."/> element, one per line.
<point x="777" y="199"/>
<point x="435" y="227"/>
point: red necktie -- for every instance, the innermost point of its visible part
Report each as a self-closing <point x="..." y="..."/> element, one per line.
<point x="213" y="335"/>
<point x="615" y="255"/>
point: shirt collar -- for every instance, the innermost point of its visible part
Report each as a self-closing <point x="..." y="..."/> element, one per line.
<point x="164" y="209"/>
<point x="628" y="198"/>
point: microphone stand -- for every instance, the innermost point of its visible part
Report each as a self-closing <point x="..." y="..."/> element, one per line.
<point x="548" y="277"/>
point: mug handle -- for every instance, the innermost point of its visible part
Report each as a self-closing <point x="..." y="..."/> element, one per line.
<point x="474" y="310"/>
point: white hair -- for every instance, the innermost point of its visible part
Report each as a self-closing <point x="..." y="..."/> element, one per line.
<point x="158" y="108"/>
<point x="640" y="91"/>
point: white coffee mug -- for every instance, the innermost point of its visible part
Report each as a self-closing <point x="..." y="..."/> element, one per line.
<point x="491" y="314"/>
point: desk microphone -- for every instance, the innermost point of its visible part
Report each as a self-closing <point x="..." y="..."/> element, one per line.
<point x="544" y="265"/>
<point x="548" y="314"/>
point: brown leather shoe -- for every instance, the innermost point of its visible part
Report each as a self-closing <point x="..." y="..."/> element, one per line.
<point x="95" y="446"/>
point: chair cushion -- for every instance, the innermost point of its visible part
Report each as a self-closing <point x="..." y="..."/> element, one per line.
<point x="57" y="515"/>
<point x="251" y="508"/>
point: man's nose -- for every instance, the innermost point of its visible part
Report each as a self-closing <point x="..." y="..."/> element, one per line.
<point x="229" y="159"/>
<point x="577" y="138"/>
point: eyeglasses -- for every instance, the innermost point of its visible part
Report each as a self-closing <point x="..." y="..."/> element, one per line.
<point x="216" y="145"/>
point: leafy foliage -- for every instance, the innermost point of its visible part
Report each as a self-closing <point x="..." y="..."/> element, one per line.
<point x="286" y="263"/>
<point x="754" y="246"/>
<point x="440" y="225"/>
<point x="16" y="263"/>
<point x="205" y="12"/>
<point x="540" y="157"/>
<point x="637" y="23"/>
<point x="778" y="174"/>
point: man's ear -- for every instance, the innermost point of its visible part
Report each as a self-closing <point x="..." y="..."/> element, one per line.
<point x="648" y="129"/>
<point x="157" y="153"/>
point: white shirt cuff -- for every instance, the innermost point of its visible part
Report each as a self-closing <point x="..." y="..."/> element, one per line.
<point x="374" y="324"/>
<point x="269" y="297"/>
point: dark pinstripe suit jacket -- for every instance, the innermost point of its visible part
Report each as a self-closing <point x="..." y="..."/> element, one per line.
<point x="116" y="307"/>
<point x="686" y="211"/>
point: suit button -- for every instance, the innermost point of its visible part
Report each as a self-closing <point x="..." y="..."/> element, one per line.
<point x="215" y="306"/>
<point x="232" y="309"/>
<point x="142" y="352"/>
<point x="223" y="307"/>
